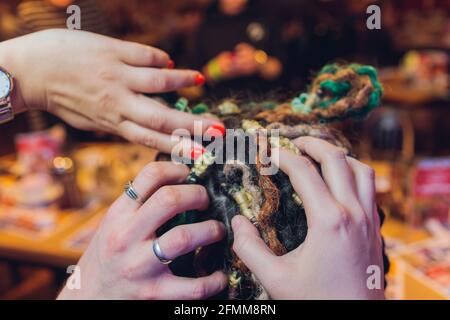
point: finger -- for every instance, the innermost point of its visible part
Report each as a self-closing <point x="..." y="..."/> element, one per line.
<point x="151" y="178"/>
<point x="335" y="170"/>
<point x="139" y="55"/>
<point x="152" y="80"/>
<point x="164" y="204"/>
<point x="154" y="115"/>
<point x="170" y="144"/>
<point x="307" y="182"/>
<point x="365" y="186"/>
<point x="251" y="249"/>
<point x="186" y="238"/>
<point x="194" y="289"/>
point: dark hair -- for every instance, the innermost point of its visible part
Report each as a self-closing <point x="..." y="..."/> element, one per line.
<point x="239" y="186"/>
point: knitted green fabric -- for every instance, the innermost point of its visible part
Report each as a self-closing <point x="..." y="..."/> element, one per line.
<point x="336" y="90"/>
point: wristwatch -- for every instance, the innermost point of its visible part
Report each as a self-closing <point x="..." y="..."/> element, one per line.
<point x="6" y="88"/>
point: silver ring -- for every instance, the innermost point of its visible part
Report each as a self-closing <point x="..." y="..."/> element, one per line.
<point x="159" y="254"/>
<point x="131" y="192"/>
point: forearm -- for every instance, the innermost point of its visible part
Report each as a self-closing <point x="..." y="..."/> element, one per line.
<point x="9" y="60"/>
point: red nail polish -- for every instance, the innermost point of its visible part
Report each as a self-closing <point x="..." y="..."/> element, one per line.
<point x="197" y="152"/>
<point x="215" y="130"/>
<point x="170" y="64"/>
<point x="199" y="79"/>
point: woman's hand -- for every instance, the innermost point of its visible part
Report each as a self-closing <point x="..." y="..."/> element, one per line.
<point x="343" y="238"/>
<point x="119" y="262"/>
<point x="96" y="83"/>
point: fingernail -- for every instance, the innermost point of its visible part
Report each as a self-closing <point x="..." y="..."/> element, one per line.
<point x="171" y="64"/>
<point x="197" y="152"/>
<point x="199" y="79"/>
<point x="215" y="130"/>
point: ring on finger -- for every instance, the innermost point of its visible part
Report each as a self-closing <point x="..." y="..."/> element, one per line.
<point x="159" y="254"/>
<point x="132" y="193"/>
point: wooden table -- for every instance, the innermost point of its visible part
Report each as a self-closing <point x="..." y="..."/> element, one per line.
<point x="52" y="251"/>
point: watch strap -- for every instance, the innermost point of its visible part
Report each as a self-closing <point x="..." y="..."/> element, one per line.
<point x="6" y="113"/>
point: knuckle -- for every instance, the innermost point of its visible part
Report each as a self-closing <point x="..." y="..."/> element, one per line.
<point x="147" y="140"/>
<point x="141" y="52"/>
<point x="153" y="171"/>
<point x="115" y="243"/>
<point x="106" y="101"/>
<point x="337" y="154"/>
<point x="305" y="141"/>
<point x="159" y="83"/>
<point x="240" y="243"/>
<point x="215" y="229"/>
<point x="106" y="74"/>
<point x="169" y="197"/>
<point x="202" y="195"/>
<point x="363" y="224"/>
<point x="157" y="121"/>
<point x="342" y="219"/>
<point x="306" y="162"/>
<point x="181" y="240"/>
<point x="368" y="171"/>
<point x="146" y="53"/>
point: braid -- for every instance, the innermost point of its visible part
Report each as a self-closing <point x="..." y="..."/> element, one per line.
<point x="269" y="201"/>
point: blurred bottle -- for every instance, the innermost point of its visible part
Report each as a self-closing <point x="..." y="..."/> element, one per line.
<point x="389" y="137"/>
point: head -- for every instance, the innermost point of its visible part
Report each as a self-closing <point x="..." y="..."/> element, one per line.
<point x="232" y="7"/>
<point x="239" y="183"/>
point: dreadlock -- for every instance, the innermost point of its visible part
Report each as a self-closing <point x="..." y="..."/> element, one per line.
<point x="239" y="186"/>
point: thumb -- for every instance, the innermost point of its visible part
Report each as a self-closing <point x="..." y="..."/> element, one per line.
<point x="251" y="249"/>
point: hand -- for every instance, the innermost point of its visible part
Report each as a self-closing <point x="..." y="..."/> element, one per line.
<point x="119" y="262"/>
<point x="343" y="237"/>
<point x="96" y="83"/>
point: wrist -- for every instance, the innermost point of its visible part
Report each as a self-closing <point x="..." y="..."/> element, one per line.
<point x="8" y="61"/>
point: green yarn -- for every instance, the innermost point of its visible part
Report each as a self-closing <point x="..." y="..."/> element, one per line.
<point x="303" y="97"/>
<point x="299" y="104"/>
<point x="336" y="90"/>
<point x="375" y="96"/>
<point x="329" y="68"/>
<point x="200" y="108"/>
<point x="269" y="105"/>
<point x="182" y="104"/>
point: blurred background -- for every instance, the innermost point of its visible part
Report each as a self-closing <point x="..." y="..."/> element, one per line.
<point x="56" y="181"/>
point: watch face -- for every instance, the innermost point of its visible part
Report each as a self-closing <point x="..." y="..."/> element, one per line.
<point x="5" y="85"/>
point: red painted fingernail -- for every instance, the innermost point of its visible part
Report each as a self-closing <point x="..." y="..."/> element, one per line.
<point x="171" y="64"/>
<point x="199" y="79"/>
<point x="215" y="130"/>
<point x="197" y="152"/>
